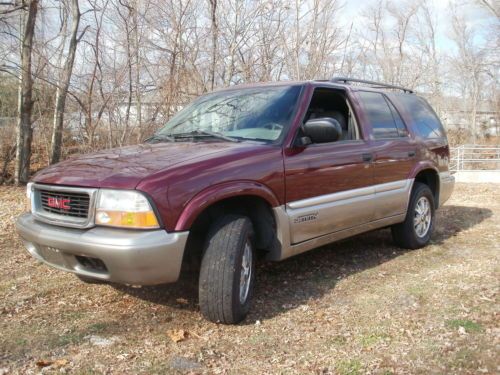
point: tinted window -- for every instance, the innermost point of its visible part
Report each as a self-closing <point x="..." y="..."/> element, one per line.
<point x="379" y="115"/>
<point x="426" y="123"/>
<point x="398" y="120"/>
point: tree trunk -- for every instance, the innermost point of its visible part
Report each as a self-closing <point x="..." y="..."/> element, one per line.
<point x="63" y="86"/>
<point x="25" y="105"/>
<point x="213" y="14"/>
<point x="138" y="91"/>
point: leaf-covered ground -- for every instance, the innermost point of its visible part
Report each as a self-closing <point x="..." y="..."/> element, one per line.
<point x="355" y="307"/>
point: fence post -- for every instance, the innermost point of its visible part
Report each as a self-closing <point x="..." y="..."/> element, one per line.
<point x="459" y="153"/>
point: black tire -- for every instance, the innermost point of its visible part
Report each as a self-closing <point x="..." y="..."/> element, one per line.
<point x="90" y="280"/>
<point x="405" y="234"/>
<point x="221" y="270"/>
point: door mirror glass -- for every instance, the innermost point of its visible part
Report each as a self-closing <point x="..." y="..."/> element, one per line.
<point x="322" y="130"/>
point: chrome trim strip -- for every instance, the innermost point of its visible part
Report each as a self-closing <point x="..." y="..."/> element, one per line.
<point x="388" y="186"/>
<point x="349" y="194"/>
<point x="330" y="198"/>
<point x="60" y="220"/>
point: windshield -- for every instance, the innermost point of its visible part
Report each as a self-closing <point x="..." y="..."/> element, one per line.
<point x="261" y="114"/>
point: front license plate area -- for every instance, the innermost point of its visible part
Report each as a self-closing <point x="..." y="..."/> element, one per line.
<point x="51" y="255"/>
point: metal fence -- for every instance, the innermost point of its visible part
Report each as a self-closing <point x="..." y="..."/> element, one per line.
<point x="475" y="158"/>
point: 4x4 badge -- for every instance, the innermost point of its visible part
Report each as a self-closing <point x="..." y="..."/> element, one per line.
<point x="304" y="218"/>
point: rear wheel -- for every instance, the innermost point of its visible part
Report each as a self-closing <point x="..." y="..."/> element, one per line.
<point x="227" y="272"/>
<point x="415" y="232"/>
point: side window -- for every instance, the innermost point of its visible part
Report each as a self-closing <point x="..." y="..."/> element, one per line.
<point x="426" y="123"/>
<point x="331" y="103"/>
<point x="379" y="115"/>
<point x="400" y="125"/>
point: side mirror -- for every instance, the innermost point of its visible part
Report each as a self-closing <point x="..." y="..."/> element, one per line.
<point x="322" y="130"/>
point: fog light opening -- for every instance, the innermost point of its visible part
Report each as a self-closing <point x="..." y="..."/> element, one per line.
<point x="91" y="264"/>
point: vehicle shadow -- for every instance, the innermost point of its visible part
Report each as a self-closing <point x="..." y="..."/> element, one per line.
<point x="289" y="284"/>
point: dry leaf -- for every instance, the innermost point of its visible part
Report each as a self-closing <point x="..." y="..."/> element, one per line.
<point x="182" y="301"/>
<point x="44" y="363"/>
<point x="57" y="363"/>
<point x="177" y="335"/>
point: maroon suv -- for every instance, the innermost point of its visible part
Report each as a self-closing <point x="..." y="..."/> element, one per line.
<point x="274" y="170"/>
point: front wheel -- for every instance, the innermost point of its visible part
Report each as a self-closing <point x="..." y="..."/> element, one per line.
<point x="415" y="232"/>
<point x="227" y="272"/>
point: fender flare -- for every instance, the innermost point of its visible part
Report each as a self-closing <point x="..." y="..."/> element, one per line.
<point x="422" y="166"/>
<point x="216" y="193"/>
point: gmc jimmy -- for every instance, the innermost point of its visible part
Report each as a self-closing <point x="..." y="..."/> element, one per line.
<point x="267" y="170"/>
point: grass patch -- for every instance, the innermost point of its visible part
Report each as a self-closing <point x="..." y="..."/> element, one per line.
<point x="418" y="291"/>
<point x="464" y="358"/>
<point x="73" y="315"/>
<point x="468" y="325"/>
<point x="349" y="367"/>
<point x="373" y="338"/>
<point x="77" y="336"/>
<point x="57" y="341"/>
<point x="337" y="340"/>
<point x="257" y="338"/>
<point x="100" y="327"/>
<point x="21" y="341"/>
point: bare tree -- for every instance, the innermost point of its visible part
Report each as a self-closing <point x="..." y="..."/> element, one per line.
<point x="63" y="85"/>
<point x="25" y="99"/>
<point x="493" y="7"/>
<point x="468" y="62"/>
<point x="214" y="30"/>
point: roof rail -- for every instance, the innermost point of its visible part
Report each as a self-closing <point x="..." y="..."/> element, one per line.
<point x="371" y="83"/>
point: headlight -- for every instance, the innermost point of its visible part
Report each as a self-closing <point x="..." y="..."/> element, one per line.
<point x="123" y="208"/>
<point x="29" y="194"/>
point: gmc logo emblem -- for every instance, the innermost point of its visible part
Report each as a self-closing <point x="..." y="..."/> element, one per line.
<point x="59" y="203"/>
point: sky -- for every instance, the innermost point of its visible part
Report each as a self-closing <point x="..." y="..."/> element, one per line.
<point x="478" y="18"/>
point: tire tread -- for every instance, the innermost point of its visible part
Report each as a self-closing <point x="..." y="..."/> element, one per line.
<point x="218" y="267"/>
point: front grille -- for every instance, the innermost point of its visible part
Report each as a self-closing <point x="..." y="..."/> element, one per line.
<point x="68" y="204"/>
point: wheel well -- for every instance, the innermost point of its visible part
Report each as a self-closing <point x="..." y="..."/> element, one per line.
<point x="431" y="179"/>
<point x="256" y="208"/>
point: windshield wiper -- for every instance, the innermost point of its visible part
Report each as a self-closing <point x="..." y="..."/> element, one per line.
<point x="203" y="133"/>
<point x="160" y="138"/>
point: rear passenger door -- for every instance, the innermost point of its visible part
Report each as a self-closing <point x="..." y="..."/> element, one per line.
<point x="394" y="154"/>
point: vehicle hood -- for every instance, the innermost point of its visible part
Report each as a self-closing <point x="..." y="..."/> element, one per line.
<point x="125" y="167"/>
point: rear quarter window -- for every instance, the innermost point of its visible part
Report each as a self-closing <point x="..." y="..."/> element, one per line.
<point x="426" y="124"/>
<point x="380" y="115"/>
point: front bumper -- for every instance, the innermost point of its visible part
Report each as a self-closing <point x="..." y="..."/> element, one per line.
<point x="117" y="255"/>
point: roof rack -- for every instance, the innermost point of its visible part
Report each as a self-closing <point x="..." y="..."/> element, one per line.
<point x="371" y="83"/>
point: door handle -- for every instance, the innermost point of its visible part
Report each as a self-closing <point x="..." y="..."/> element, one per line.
<point x="411" y="154"/>
<point x="367" y="157"/>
